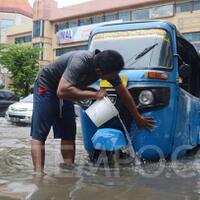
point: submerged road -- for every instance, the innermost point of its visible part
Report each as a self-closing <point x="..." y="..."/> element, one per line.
<point x="163" y="180"/>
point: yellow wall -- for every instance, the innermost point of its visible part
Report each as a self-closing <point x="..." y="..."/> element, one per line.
<point x="17" y="31"/>
<point x="18" y="18"/>
<point x="186" y="21"/>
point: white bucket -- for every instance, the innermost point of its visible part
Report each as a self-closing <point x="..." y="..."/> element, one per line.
<point x="101" y="111"/>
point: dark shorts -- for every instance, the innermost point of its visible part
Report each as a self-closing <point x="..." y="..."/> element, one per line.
<point x="46" y="114"/>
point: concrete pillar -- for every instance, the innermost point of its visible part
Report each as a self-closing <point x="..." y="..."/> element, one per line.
<point x="42" y="10"/>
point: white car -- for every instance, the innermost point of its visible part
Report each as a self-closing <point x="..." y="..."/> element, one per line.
<point x="21" y="112"/>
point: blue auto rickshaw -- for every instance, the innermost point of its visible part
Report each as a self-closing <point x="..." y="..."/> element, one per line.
<point x="162" y="73"/>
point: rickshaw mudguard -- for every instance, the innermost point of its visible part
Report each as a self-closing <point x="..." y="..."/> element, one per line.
<point x="187" y="132"/>
<point x="157" y="143"/>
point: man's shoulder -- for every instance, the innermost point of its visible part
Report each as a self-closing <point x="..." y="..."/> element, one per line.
<point x="80" y="53"/>
<point x="80" y="60"/>
<point x="83" y="54"/>
<point x="73" y="56"/>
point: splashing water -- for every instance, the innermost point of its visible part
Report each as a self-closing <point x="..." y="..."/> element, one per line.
<point x="130" y="146"/>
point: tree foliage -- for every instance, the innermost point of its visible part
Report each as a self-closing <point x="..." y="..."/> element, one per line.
<point x="23" y="63"/>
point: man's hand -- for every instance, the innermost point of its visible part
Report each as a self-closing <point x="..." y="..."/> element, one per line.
<point x="145" y="122"/>
<point x="126" y="98"/>
<point x="101" y="94"/>
<point x="67" y="91"/>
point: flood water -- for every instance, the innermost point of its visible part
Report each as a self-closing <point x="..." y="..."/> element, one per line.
<point x="162" y="180"/>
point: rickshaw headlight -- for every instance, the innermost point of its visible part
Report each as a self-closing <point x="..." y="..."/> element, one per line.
<point x="146" y="97"/>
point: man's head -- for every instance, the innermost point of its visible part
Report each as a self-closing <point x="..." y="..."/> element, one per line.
<point x="108" y="64"/>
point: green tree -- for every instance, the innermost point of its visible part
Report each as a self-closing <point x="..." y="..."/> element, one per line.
<point x="23" y="63"/>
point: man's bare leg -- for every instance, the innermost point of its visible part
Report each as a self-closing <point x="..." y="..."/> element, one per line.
<point x="38" y="154"/>
<point x="68" y="151"/>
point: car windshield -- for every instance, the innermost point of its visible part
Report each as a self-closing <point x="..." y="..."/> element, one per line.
<point x="141" y="49"/>
<point x="28" y="99"/>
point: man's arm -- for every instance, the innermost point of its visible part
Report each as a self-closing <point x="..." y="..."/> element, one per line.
<point x="129" y="102"/>
<point x="68" y="91"/>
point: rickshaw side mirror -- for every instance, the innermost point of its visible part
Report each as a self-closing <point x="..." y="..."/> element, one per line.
<point x="184" y="70"/>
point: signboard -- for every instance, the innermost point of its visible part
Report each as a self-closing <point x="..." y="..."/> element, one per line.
<point x="77" y="34"/>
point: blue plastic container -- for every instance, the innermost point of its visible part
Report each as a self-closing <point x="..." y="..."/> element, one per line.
<point x="108" y="139"/>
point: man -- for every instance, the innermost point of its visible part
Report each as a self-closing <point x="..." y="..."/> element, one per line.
<point x="64" y="81"/>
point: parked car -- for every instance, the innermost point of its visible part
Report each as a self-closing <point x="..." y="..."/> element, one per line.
<point x="21" y="112"/>
<point x="6" y="98"/>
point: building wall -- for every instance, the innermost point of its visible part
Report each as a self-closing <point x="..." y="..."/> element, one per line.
<point x="186" y="22"/>
<point x="18" y="18"/>
<point x="19" y="32"/>
<point x="8" y="20"/>
<point x="44" y="26"/>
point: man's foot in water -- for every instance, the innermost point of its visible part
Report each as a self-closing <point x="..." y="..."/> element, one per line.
<point x="68" y="166"/>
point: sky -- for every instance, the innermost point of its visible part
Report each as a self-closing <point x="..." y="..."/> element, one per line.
<point x="62" y="3"/>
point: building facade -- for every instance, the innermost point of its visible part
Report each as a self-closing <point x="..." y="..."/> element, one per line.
<point x="59" y="30"/>
<point x="15" y="27"/>
<point x="14" y="13"/>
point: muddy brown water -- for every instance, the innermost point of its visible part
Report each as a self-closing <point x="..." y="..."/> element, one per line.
<point x="178" y="180"/>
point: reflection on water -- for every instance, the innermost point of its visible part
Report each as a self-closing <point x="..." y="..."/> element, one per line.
<point x="152" y="181"/>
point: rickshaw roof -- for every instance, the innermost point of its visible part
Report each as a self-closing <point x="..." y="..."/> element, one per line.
<point x="151" y="24"/>
<point x="122" y="26"/>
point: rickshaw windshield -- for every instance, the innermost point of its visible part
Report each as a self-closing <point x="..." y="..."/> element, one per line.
<point x="141" y="49"/>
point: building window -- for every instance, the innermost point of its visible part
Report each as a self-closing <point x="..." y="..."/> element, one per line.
<point x="61" y="26"/>
<point x="41" y="45"/>
<point x="61" y="51"/>
<point x="85" y="21"/>
<point x="184" y="7"/>
<point x="125" y="16"/>
<point x="72" y="23"/>
<point x="196" y="46"/>
<point x="192" y="37"/>
<point x="23" y="39"/>
<point x="110" y="17"/>
<point x="5" y="23"/>
<point x="97" y="19"/>
<point x="196" y="5"/>
<point x="38" y="28"/>
<point x="161" y="11"/>
<point x="140" y="14"/>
